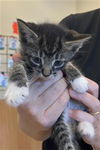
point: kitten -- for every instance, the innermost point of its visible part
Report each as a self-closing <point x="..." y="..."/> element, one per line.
<point x="46" y="49"/>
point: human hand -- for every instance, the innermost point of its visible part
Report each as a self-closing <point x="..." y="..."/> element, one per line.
<point x="46" y="101"/>
<point x="89" y="99"/>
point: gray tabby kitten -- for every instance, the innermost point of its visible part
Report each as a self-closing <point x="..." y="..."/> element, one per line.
<point x="46" y="49"/>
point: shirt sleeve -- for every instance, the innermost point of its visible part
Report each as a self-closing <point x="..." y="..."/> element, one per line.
<point x="67" y="22"/>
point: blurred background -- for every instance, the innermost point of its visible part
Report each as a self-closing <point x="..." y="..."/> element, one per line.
<point x="40" y="10"/>
<point x="11" y="137"/>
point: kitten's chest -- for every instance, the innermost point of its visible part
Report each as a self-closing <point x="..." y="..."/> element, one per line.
<point x="72" y="104"/>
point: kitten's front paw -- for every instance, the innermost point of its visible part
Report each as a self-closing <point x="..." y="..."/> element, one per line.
<point x="86" y="129"/>
<point x="80" y="84"/>
<point x="16" y="95"/>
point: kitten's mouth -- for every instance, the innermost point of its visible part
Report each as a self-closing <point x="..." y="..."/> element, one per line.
<point x="42" y="77"/>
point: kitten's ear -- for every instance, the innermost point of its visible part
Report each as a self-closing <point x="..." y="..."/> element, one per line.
<point x="25" y="33"/>
<point x="76" y="41"/>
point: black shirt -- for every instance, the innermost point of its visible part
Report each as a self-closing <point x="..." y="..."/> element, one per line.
<point x="89" y="57"/>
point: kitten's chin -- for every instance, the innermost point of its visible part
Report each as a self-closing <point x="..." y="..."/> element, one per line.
<point x="45" y="78"/>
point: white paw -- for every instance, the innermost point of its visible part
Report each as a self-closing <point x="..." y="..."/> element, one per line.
<point x="86" y="129"/>
<point x="80" y="84"/>
<point x="16" y="95"/>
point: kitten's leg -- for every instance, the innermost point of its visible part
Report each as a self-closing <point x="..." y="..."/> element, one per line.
<point x="79" y="84"/>
<point x="76" y="79"/>
<point x="86" y="129"/>
<point x="18" y="86"/>
<point x="62" y="135"/>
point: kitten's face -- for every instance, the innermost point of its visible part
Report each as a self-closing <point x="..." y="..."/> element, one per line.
<point x="45" y="59"/>
<point x="47" y="65"/>
<point x="47" y="48"/>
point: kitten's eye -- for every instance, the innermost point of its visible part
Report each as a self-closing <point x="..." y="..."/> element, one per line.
<point x="36" y="61"/>
<point x="58" y="64"/>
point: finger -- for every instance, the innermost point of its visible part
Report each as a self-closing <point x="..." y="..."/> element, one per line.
<point x="51" y="94"/>
<point x="55" y="110"/>
<point x="93" y="88"/>
<point x="80" y="115"/>
<point x="16" y="57"/>
<point x="87" y="99"/>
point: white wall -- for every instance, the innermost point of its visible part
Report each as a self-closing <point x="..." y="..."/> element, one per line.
<point x="40" y="10"/>
<point x="87" y="5"/>
<point x="36" y="10"/>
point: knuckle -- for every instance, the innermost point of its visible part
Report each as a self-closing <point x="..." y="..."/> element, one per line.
<point x="33" y="111"/>
<point x="82" y="96"/>
<point x="97" y="106"/>
<point x="44" y="122"/>
<point x="96" y="87"/>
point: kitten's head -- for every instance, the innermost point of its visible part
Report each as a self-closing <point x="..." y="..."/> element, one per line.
<point x="46" y="48"/>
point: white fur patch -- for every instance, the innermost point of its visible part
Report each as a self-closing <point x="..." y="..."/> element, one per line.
<point x="65" y="114"/>
<point x="16" y="95"/>
<point x="80" y="84"/>
<point x="86" y="129"/>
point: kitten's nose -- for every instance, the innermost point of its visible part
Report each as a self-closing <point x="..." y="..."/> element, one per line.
<point x="46" y="72"/>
